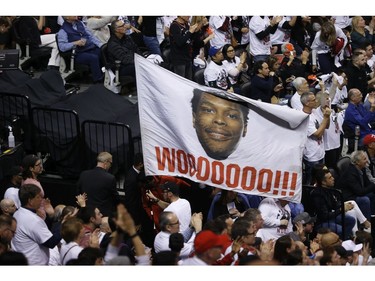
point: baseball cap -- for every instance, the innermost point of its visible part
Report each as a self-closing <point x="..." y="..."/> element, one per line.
<point x="206" y="240"/>
<point x="349" y="245"/>
<point x="368" y="139"/>
<point x="14" y="171"/>
<point x="171" y="186"/>
<point x="304" y="218"/>
<point x="213" y="51"/>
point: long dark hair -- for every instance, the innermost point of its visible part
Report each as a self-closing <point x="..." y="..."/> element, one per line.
<point x="225" y="49"/>
<point x="28" y="162"/>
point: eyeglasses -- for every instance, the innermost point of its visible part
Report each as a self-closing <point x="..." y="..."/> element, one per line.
<point x="119" y="26"/>
<point x="177" y="222"/>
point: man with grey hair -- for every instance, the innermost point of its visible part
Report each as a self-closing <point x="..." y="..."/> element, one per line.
<point x="100" y="185"/>
<point x="301" y="86"/>
<point x="314" y="151"/>
<point x="355" y="184"/>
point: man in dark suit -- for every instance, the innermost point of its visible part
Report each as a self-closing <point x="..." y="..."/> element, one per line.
<point x="355" y="184"/>
<point x="100" y="185"/>
<point x="134" y="182"/>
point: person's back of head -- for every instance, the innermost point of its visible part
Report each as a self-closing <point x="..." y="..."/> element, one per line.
<point x="71" y="229"/>
<point x="27" y="192"/>
<point x="165" y="258"/>
<point x="86" y="213"/>
<point x="176" y="242"/>
<point x="240" y="228"/>
<point x="362" y="236"/>
<point x="282" y="246"/>
<point x="13" y="258"/>
<point x="94" y="256"/>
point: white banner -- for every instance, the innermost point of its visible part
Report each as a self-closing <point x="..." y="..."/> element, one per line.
<point x="217" y="138"/>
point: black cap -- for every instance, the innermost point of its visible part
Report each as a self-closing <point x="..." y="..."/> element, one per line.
<point x="172" y="187"/>
<point x="14" y="171"/>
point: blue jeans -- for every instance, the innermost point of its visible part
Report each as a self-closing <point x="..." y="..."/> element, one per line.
<point x="366" y="204"/>
<point x="309" y="166"/>
<point x="184" y="70"/>
<point x="92" y="59"/>
<point x="152" y="45"/>
<point x="336" y="226"/>
<point x="260" y="57"/>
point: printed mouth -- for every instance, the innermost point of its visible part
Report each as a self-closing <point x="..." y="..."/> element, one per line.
<point x="218" y="135"/>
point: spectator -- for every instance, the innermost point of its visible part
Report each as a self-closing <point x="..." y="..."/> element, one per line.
<point x="356" y="71"/>
<point x="149" y="32"/>
<point x="357" y="115"/>
<point x="99" y="26"/>
<point x="222" y="29"/>
<point x="121" y="47"/>
<point x="11" y="187"/>
<point x="235" y="65"/>
<point x="100" y="185"/>
<point x="215" y="74"/>
<point x="74" y="34"/>
<point x="355" y="184"/>
<point x="314" y="151"/>
<point x="181" y="34"/>
<point x="173" y="203"/>
<point x="277" y="218"/>
<point x="360" y="35"/>
<point x="261" y="27"/>
<point x="170" y="224"/>
<point x="32" y="237"/>
<point x="328" y="207"/>
<point x="327" y="48"/>
<point x="261" y="87"/>
<point x="208" y="248"/>
<point x="301" y="86"/>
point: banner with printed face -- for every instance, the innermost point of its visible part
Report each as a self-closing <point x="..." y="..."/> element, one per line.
<point x="218" y="138"/>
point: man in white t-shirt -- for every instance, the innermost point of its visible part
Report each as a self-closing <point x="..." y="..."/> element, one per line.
<point x="260" y="41"/>
<point x="314" y="151"/>
<point x="32" y="237"/>
<point x="301" y="86"/>
<point x="222" y="29"/>
<point x="181" y="207"/>
<point x="215" y="74"/>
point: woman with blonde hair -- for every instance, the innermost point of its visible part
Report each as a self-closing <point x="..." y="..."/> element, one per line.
<point x="360" y="35"/>
<point x="327" y="47"/>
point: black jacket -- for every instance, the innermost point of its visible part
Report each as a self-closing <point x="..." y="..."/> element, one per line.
<point x="351" y="184"/>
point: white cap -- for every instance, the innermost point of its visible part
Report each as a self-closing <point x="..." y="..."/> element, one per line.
<point x="349" y="245"/>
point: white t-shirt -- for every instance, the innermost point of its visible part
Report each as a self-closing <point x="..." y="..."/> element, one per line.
<point x="161" y="243"/>
<point x="232" y="70"/>
<point x="30" y="234"/>
<point x="181" y="208"/>
<point x="281" y="35"/>
<point x="221" y="38"/>
<point x="12" y="193"/>
<point x="295" y="101"/>
<point x="69" y="251"/>
<point x="314" y="147"/>
<point x="259" y="47"/>
<point x="218" y="73"/>
<point x="272" y="213"/>
<point x="332" y="134"/>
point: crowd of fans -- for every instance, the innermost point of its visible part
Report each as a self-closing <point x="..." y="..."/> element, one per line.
<point x="323" y="66"/>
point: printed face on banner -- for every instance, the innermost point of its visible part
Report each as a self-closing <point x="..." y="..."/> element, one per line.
<point x="218" y="138"/>
<point x="219" y="123"/>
